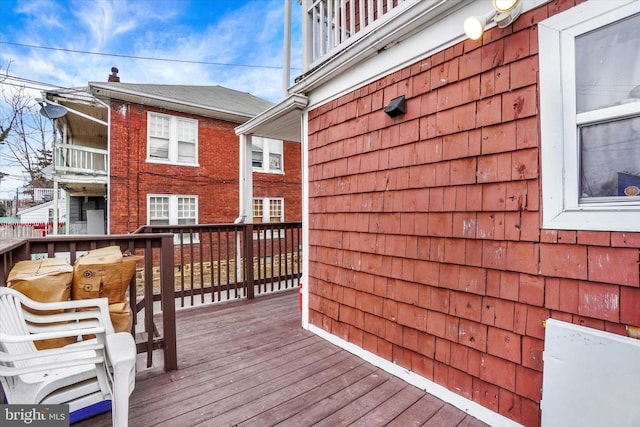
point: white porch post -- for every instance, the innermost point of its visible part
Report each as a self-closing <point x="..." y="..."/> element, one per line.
<point x="286" y="53"/>
<point x="55" y="207"/>
<point x="246" y="180"/>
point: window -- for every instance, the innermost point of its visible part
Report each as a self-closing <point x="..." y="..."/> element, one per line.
<point x="172" y="210"/>
<point x="266" y="154"/>
<point x="172" y="139"/>
<point x="266" y="210"/>
<point x="590" y="117"/>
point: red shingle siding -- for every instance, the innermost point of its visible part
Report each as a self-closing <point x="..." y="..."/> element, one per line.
<point x="426" y="245"/>
<point x="214" y="181"/>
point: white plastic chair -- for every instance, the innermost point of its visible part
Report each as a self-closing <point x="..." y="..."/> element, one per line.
<point x="79" y="374"/>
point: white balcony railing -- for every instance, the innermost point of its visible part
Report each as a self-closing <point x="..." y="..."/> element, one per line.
<point x="46" y="194"/>
<point x="81" y="160"/>
<point x="332" y="23"/>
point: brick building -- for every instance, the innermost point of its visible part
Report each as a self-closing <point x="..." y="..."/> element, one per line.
<point x="459" y="193"/>
<point x="169" y="155"/>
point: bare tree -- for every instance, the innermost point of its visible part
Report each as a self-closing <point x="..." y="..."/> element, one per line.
<point x="27" y="136"/>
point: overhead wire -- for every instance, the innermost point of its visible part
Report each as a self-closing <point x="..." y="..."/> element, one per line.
<point x="146" y="58"/>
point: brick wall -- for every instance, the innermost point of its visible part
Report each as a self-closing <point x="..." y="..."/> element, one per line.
<point x="215" y="181"/>
<point x="426" y="245"/>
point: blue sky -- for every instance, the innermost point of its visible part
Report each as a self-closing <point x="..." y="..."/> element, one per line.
<point x="213" y="37"/>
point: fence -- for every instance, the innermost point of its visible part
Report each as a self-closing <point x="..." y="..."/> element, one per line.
<point x="16" y="230"/>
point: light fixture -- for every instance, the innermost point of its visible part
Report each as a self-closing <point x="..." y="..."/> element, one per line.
<point x="474" y="25"/>
<point x="503" y="14"/>
<point x="507" y="11"/>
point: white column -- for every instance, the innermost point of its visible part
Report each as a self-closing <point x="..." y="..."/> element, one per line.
<point x="55" y="206"/>
<point x="246" y="180"/>
<point x="286" y="51"/>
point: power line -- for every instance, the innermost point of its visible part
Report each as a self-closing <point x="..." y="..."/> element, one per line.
<point x="146" y="58"/>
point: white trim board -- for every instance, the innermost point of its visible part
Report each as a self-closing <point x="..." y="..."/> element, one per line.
<point x="470" y="407"/>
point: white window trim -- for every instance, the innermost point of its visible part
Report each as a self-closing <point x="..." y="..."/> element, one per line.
<point x="173" y="141"/>
<point x="266" y="144"/>
<point x="561" y="208"/>
<point x="173" y="213"/>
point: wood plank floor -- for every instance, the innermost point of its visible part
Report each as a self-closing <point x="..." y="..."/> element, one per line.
<point x="249" y="363"/>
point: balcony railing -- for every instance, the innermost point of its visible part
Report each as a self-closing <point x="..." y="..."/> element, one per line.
<point x="81" y="160"/>
<point x="333" y="24"/>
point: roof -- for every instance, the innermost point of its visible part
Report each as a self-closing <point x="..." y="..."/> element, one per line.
<point x="45" y="205"/>
<point x="209" y="101"/>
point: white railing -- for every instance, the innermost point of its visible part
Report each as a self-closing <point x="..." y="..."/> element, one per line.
<point x="79" y="159"/>
<point x="46" y="194"/>
<point x="332" y="23"/>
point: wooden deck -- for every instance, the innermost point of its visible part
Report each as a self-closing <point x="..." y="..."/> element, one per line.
<point x="249" y="363"/>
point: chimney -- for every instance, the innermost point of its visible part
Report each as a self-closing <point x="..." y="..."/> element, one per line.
<point x="113" y="77"/>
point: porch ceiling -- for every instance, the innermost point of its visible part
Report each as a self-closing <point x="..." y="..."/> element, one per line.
<point x="81" y="103"/>
<point x="282" y="121"/>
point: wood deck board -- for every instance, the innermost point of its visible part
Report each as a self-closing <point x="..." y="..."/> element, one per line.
<point x="250" y="363"/>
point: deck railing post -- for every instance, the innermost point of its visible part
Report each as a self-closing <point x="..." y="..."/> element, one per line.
<point x="168" y="304"/>
<point x="248" y="260"/>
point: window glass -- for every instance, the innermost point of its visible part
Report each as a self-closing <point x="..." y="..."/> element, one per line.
<point x="610" y="161"/>
<point x="186" y="210"/>
<point x="608" y="65"/>
<point x="258" y="211"/>
<point x="158" y="210"/>
<point x="275" y="210"/>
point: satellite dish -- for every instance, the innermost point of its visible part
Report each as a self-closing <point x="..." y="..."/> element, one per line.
<point x="53" y="111"/>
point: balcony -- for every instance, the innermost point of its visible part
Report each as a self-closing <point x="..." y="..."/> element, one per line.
<point x="340" y="35"/>
<point x="333" y="24"/>
<point x="79" y="160"/>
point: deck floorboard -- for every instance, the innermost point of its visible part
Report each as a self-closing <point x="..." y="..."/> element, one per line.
<point x="249" y="363"/>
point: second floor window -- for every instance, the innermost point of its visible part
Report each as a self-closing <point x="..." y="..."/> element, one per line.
<point x="266" y="155"/>
<point x="172" y="139"/>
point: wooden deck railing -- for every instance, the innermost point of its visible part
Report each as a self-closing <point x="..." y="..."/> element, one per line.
<point x="184" y="265"/>
<point x="215" y="267"/>
<point x="157" y="250"/>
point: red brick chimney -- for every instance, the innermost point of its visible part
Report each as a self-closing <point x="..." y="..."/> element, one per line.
<point x="113" y="77"/>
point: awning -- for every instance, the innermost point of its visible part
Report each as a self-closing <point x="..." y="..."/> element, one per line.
<point x="281" y="121"/>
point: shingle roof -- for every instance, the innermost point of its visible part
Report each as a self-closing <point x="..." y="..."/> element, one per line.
<point x="212" y="97"/>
